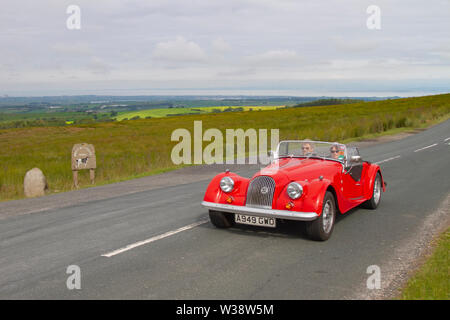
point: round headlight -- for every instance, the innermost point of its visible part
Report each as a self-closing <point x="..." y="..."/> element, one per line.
<point x="294" y="190"/>
<point x="226" y="184"/>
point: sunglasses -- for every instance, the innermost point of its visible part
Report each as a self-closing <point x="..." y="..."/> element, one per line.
<point x="334" y="151"/>
<point x="305" y="148"/>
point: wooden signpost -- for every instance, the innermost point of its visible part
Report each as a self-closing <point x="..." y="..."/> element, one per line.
<point x="83" y="157"/>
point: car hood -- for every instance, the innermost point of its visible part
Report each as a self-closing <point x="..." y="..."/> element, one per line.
<point x="298" y="169"/>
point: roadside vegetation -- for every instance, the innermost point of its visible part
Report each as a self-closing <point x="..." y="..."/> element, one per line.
<point x="432" y="280"/>
<point x="127" y="149"/>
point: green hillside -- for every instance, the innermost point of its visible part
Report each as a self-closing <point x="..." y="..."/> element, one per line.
<point x="128" y="149"/>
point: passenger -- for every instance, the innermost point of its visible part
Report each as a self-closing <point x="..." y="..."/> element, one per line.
<point x="337" y="152"/>
<point x="334" y="150"/>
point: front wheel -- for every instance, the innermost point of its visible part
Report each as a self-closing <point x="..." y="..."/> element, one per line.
<point x="373" y="202"/>
<point x="321" y="228"/>
<point x="220" y="219"/>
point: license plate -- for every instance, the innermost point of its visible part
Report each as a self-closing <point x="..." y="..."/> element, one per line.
<point x="255" y="221"/>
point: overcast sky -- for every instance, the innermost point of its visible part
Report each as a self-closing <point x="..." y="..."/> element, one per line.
<point x="300" y="47"/>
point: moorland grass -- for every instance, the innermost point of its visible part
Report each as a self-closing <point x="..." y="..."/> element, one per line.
<point x="126" y="149"/>
<point x="432" y="280"/>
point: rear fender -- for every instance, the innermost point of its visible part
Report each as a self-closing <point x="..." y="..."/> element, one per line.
<point x="372" y="171"/>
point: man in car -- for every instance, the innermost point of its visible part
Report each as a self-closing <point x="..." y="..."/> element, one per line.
<point x="307" y="148"/>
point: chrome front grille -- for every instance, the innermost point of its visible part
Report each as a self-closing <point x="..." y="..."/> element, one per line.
<point x="260" y="192"/>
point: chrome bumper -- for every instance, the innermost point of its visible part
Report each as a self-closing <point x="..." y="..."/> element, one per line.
<point x="261" y="212"/>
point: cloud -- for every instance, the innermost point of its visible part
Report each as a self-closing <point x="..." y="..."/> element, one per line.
<point x="442" y="52"/>
<point x="274" y="58"/>
<point x="98" y="66"/>
<point x="220" y="46"/>
<point x="198" y="43"/>
<point x="78" y="48"/>
<point x="352" y="45"/>
<point x="179" y="50"/>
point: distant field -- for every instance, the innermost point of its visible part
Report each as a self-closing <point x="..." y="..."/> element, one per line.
<point x="48" y="118"/>
<point x="160" y="113"/>
<point x="56" y="115"/>
<point x="128" y="149"/>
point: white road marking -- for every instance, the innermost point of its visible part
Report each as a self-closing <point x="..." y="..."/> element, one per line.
<point x="152" y="239"/>
<point x="435" y="144"/>
<point x="386" y="160"/>
<point x="447" y="139"/>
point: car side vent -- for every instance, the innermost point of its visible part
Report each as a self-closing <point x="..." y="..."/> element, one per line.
<point x="260" y="192"/>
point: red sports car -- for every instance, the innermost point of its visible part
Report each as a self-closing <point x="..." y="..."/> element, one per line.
<point x="309" y="181"/>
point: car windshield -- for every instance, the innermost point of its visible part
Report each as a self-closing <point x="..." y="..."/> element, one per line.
<point x="312" y="149"/>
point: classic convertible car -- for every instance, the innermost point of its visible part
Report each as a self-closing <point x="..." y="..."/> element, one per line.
<point x="309" y="181"/>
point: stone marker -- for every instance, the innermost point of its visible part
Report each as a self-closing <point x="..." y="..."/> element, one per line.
<point x="83" y="157"/>
<point x="34" y="183"/>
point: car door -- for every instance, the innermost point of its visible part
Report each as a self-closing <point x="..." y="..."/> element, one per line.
<point x="351" y="177"/>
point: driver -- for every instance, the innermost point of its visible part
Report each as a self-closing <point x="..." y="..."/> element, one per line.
<point x="307" y="148"/>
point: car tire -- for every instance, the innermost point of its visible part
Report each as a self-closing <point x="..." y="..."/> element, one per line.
<point x="321" y="228"/>
<point x="373" y="202"/>
<point x="220" y="219"/>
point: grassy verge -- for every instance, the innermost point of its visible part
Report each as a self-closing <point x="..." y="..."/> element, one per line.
<point x="129" y="149"/>
<point x="391" y="132"/>
<point x="432" y="280"/>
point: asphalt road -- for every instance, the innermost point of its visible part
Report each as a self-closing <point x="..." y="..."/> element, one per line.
<point x="199" y="261"/>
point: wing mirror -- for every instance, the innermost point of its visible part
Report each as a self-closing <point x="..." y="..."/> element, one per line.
<point x="355" y="159"/>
